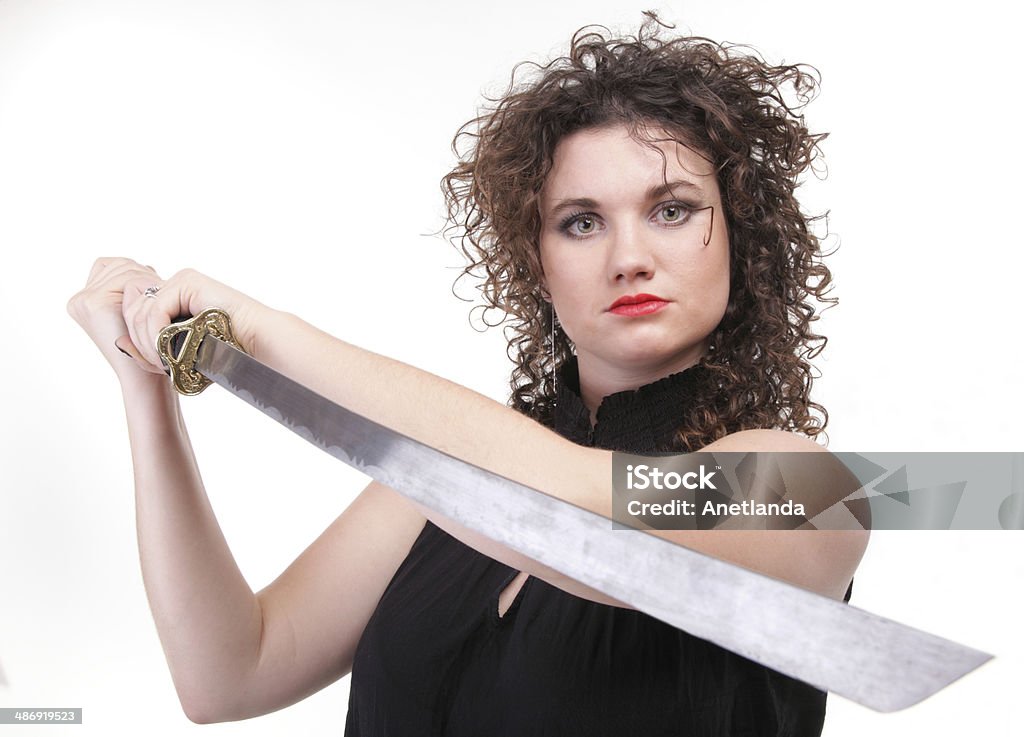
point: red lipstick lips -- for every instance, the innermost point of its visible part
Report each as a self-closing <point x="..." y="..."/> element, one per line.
<point x="636" y="305"/>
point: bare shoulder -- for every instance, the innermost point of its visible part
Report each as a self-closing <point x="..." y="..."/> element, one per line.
<point x="821" y="560"/>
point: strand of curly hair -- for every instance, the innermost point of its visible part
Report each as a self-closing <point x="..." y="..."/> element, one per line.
<point x="727" y="104"/>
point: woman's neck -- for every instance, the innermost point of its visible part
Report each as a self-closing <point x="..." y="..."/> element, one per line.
<point x="599" y="379"/>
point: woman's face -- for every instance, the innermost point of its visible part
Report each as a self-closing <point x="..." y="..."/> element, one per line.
<point x="611" y="229"/>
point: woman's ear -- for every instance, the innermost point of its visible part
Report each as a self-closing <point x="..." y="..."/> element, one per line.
<point x="544" y="293"/>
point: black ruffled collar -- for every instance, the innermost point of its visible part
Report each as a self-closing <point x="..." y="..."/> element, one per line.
<point x="643" y="420"/>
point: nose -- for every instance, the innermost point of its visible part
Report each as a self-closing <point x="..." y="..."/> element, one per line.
<point x="630" y="257"/>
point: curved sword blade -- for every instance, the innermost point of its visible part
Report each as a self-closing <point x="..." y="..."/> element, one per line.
<point x="833" y="646"/>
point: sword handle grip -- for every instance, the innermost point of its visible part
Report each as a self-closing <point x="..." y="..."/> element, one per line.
<point x="178" y="347"/>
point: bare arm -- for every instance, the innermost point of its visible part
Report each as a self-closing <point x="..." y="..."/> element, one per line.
<point x="232" y="653"/>
<point x="472" y="427"/>
<point x="475" y="428"/>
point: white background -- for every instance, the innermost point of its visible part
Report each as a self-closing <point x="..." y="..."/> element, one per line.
<point x="293" y="149"/>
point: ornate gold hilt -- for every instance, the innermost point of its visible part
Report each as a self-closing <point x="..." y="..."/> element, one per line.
<point x="178" y="346"/>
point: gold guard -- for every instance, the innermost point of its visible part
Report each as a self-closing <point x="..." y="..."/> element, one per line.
<point x="182" y="367"/>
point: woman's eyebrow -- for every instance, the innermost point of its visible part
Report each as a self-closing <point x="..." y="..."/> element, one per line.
<point x="579" y="202"/>
<point x="668" y="187"/>
<point x="659" y="190"/>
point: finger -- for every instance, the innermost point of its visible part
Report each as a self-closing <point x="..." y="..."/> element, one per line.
<point x="170" y="304"/>
<point x="103" y="289"/>
<point x="139" y="286"/>
<point x="136" y="309"/>
<point x="157" y="320"/>
<point x="103" y="266"/>
<point x="116" y="275"/>
<point x="126" y="347"/>
<point x="107" y="288"/>
<point x="173" y="302"/>
<point x="156" y="312"/>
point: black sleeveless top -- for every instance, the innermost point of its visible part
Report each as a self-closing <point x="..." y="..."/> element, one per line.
<point x="436" y="659"/>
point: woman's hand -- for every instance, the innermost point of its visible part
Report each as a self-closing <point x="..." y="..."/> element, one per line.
<point x="124" y="305"/>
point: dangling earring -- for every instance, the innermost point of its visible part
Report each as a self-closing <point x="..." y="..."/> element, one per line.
<point x="554" y="370"/>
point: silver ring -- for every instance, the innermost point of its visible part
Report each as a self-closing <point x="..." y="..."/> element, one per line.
<point x="151" y="291"/>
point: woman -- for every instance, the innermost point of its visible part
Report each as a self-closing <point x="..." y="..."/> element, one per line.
<point x="632" y="209"/>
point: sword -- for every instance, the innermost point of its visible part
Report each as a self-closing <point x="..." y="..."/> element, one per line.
<point x="830" y="645"/>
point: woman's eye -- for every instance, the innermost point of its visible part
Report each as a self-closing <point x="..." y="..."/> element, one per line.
<point x="673" y="213"/>
<point x="578" y="225"/>
<point x="585" y="225"/>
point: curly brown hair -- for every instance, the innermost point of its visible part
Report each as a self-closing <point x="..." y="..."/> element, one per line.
<point x="730" y="106"/>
